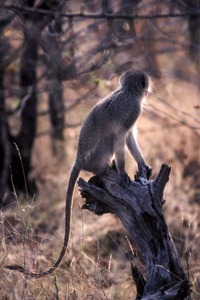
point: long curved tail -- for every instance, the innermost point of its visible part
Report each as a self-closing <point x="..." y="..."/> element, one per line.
<point x="72" y="180"/>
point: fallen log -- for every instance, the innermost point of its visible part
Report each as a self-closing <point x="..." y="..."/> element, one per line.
<point x="139" y="205"/>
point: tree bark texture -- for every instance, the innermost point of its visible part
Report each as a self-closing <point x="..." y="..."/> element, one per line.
<point x="139" y="205"/>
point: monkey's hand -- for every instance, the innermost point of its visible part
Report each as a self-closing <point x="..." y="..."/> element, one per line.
<point x="145" y="171"/>
<point x="125" y="179"/>
<point x="148" y="171"/>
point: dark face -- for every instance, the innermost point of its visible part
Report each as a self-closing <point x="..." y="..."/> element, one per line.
<point x="144" y="80"/>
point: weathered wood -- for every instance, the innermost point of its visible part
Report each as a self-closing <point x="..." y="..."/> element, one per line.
<point x="139" y="205"/>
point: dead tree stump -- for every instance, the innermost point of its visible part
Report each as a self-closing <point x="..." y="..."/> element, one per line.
<point x="139" y="205"/>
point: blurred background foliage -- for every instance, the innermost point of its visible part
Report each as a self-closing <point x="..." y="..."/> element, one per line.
<point x="57" y="59"/>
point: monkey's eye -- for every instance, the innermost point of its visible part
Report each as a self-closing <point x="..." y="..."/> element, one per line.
<point x="146" y="94"/>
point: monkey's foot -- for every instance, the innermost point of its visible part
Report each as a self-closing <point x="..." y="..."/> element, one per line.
<point x="144" y="171"/>
<point x="148" y="171"/>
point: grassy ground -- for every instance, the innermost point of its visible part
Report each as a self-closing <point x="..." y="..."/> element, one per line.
<point x="95" y="266"/>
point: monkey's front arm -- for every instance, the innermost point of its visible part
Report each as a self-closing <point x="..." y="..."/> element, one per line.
<point x="136" y="153"/>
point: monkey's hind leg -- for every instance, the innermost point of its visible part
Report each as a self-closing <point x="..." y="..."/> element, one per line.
<point x="100" y="160"/>
<point x="119" y="150"/>
<point x="125" y="179"/>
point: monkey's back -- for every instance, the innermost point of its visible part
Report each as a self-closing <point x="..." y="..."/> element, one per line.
<point x="104" y="123"/>
<point x="101" y="121"/>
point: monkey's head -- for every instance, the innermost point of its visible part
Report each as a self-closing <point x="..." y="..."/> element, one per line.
<point x="135" y="81"/>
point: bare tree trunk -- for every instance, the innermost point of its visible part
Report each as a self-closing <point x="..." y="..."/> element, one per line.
<point x="24" y="140"/>
<point x="4" y="148"/>
<point x="140" y="209"/>
<point x="56" y="105"/>
<point x="4" y="141"/>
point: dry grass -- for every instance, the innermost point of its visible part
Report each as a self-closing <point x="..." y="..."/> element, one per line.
<point x="95" y="266"/>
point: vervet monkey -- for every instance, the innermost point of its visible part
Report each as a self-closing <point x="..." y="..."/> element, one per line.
<point x="104" y="134"/>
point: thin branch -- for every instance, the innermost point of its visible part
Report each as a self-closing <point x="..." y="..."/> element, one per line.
<point x="25" y="183"/>
<point x="25" y="99"/>
<point x="177" y="109"/>
<point x="56" y="129"/>
<point x="69" y="108"/>
<point x="176" y="119"/>
<point x="101" y="15"/>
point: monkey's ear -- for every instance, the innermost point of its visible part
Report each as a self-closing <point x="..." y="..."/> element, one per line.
<point x="121" y="80"/>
